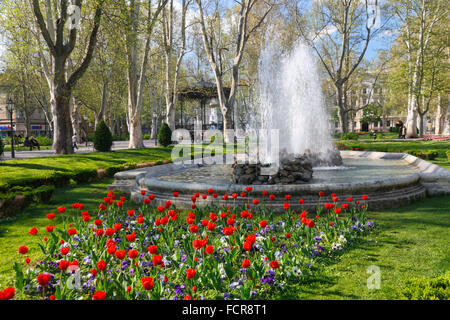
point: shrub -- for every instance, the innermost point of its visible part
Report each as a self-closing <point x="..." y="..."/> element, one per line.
<point x="437" y="288"/>
<point x="350" y="136"/>
<point x="120" y="138"/>
<point x="43" y="194"/>
<point x="146" y="137"/>
<point x="44" y="141"/>
<point x="102" y="137"/>
<point x="432" y="154"/>
<point x="417" y="153"/>
<point x="165" y="135"/>
<point x="1" y="146"/>
<point x="84" y="176"/>
<point x="393" y="129"/>
<point x="448" y="154"/>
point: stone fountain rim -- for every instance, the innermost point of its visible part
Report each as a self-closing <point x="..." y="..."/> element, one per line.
<point x="427" y="170"/>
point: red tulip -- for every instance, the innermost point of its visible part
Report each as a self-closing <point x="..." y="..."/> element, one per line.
<point x="99" y="295"/>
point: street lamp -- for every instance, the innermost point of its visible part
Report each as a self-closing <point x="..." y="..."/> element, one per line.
<point x="10" y="108"/>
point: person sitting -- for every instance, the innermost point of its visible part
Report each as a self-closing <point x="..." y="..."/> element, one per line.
<point x="26" y="142"/>
<point x="34" y="143"/>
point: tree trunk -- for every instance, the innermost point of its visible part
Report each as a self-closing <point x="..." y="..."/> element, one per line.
<point x="421" y="126"/>
<point x="136" y="141"/>
<point x="446" y="129"/>
<point x="343" y="115"/>
<point x="62" y="142"/>
<point x="411" y="119"/>
<point x="439" y="120"/>
<point x="75" y="117"/>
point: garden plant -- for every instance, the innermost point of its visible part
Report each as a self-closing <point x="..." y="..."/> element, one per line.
<point x="216" y="252"/>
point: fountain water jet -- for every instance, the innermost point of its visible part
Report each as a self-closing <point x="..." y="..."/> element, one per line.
<point x="290" y="101"/>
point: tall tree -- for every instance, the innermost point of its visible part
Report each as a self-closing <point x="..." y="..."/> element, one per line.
<point x="419" y="20"/>
<point x="136" y="69"/>
<point x="214" y="53"/>
<point x="172" y="70"/>
<point x="61" y="48"/>
<point x="340" y="44"/>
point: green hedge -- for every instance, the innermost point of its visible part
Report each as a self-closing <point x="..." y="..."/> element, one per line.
<point x="448" y="154"/>
<point x="44" y="141"/>
<point x="437" y="288"/>
<point x="417" y="153"/>
<point x="432" y="154"/>
<point x="350" y="136"/>
<point x="41" y="194"/>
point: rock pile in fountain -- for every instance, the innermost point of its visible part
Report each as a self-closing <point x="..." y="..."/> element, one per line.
<point x="293" y="169"/>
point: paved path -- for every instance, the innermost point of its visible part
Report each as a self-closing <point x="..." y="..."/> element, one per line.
<point x="117" y="145"/>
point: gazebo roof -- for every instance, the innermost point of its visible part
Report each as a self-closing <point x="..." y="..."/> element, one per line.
<point x="201" y="90"/>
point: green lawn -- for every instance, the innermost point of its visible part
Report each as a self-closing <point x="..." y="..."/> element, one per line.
<point x="403" y="146"/>
<point x="408" y="242"/>
<point x="22" y="148"/>
<point x="12" y="171"/>
<point x="14" y="229"/>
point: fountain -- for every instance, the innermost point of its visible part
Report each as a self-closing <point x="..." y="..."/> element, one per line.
<point x="290" y="102"/>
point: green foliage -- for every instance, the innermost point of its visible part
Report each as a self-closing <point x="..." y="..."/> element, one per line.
<point x="1" y="146"/>
<point x="165" y="135"/>
<point x="31" y="195"/>
<point x="44" y="141"/>
<point x="146" y="137"/>
<point x="448" y="154"/>
<point x="432" y="154"/>
<point x="437" y="288"/>
<point x="120" y="138"/>
<point x="371" y="113"/>
<point x="102" y="137"/>
<point x="350" y="136"/>
<point x="417" y="153"/>
<point x="84" y="175"/>
<point x="393" y="129"/>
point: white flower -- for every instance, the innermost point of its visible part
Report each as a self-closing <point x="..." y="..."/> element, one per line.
<point x="342" y="239"/>
<point x="297" y="271"/>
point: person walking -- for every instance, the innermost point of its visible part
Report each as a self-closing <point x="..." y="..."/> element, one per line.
<point x="404" y="132"/>
<point x="74" y="141"/>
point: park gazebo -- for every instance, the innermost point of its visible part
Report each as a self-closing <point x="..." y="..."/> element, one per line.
<point x="206" y="94"/>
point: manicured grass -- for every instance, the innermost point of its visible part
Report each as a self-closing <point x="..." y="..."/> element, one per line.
<point x="380" y="135"/>
<point x="14" y="229"/>
<point x="22" y="148"/>
<point x="409" y="242"/>
<point x="403" y="146"/>
<point x="13" y="171"/>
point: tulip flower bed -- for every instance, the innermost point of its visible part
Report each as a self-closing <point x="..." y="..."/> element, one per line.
<point x="157" y="252"/>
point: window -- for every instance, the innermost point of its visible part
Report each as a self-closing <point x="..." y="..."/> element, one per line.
<point x="336" y="124"/>
<point x="388" y="123"/>
<point x="365" y="90"/>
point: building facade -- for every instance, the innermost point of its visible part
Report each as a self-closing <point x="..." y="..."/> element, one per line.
<point x="37" y="125"/>
<point x="367" y="93"/>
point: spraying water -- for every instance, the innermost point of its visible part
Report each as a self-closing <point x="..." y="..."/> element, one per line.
<point x="291" y="100"/>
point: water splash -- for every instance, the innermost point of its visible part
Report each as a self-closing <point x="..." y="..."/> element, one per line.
<point x="290" y="98"/>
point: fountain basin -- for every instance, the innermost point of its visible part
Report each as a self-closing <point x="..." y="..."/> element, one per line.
<point x="409" y="179"/>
